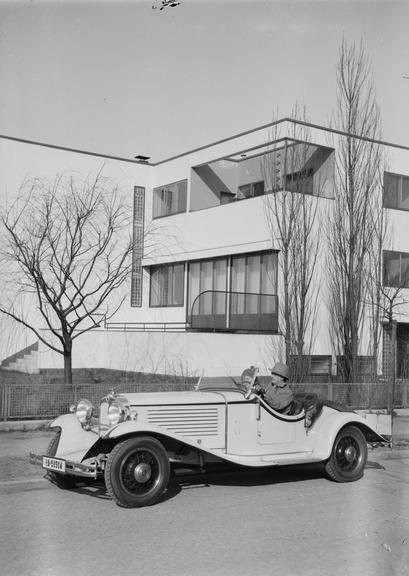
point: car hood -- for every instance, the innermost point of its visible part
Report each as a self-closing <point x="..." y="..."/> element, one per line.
<point x="180" y="398"/>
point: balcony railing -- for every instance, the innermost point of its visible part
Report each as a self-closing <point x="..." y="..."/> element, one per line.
<point x="221" y="311"/>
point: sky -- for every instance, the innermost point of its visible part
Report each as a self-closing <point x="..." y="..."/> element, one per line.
<point x="119" y="78"/>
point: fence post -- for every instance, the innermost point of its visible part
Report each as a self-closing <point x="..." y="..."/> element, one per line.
<point x="330" y="391"/>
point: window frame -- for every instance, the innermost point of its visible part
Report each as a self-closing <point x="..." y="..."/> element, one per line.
<point x="167" y="266"/>
<point x="401" y="178"/>
<point x="386" y="276"/>
<point x="164" y="189"/>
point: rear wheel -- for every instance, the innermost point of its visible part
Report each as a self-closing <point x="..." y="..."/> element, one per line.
<point x="60" y="480"/>
<point x="348" y="457"/>
<point x="137" y="472"/>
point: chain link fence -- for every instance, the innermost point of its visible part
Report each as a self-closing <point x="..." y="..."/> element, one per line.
<point x="45" y="400"/>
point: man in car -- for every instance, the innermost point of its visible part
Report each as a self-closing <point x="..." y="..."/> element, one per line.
<point x="277" y="393"/>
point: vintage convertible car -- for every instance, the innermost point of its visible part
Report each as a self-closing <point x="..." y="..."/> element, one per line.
<point x="134" y="441"/>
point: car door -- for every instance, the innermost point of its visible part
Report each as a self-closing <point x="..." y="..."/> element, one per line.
<point x="280" y="434"/>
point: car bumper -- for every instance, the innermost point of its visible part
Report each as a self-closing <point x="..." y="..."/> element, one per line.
<point x="67" y="467"/>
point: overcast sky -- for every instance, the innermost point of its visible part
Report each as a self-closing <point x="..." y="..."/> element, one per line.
<point x="119" y="78"/>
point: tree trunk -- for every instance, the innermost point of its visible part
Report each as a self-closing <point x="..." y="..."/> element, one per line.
<point x="67" y="359"/>
<point x="392" y="366"/>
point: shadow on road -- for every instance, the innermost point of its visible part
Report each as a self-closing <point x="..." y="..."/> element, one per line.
<point x="183" y="479"/>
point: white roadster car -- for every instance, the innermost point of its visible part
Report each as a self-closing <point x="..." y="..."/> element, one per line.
<point x="134" y="441"/>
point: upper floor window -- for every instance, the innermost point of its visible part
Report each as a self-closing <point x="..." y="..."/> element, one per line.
<point x="301" y="181"/>
<point x="396" y="269"/>
<point x="250" y="190"/>
<point x="167" y="285"/>
<point x="170" y="199"/>
<point x="396" y="191"/>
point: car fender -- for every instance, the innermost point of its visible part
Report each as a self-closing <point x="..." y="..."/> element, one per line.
<point x="330" y="423"/>
<point x="75" y="441"/>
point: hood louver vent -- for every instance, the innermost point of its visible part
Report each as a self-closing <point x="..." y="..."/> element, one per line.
<point x="186" y="420"/>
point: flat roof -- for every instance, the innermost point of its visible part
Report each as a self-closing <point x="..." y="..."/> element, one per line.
<point x="210" y="145"/>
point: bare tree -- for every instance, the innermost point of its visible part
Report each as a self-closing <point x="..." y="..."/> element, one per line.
<point x="67" y="249"/>
<point x="351" y="231"/>
<point x="291" y="212"/>
<point x="375" y="288"/>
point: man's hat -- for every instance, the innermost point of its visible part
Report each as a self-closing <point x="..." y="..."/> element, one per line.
<point x="281" y="370"/>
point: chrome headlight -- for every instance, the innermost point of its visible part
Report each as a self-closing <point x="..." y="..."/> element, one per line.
<point x="118" y="410"/>
<point x="84" y="411"/>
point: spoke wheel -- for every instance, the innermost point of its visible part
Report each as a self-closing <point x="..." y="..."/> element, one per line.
<point x="137" y="472"/>
<point x="348" y="457"/>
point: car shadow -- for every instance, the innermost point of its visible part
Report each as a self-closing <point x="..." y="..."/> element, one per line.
<point x="184" y="479"/>
<point x="251" y="477"/>
<point x="97" y="489"/>
<point x="224" y="476"/>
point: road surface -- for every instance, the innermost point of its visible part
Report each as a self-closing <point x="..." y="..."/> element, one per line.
<point x="284" y="521"/>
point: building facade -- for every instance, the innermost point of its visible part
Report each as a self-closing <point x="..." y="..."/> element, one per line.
<point x="206" y="289"/>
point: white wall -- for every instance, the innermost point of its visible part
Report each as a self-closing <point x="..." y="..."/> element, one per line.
<point x="185" y="353"/>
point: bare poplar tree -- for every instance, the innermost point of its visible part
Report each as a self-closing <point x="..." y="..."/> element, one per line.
<point x="351" y="232"/>
<point x="66" y="250"/>
<point x="291" y="212"/>
<point x="375" y="288"/>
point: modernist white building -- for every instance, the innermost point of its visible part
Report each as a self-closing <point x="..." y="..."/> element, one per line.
<point x="204" y="295"/>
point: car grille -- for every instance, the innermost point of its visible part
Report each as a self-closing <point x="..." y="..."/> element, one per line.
<point x="186" y="420"/>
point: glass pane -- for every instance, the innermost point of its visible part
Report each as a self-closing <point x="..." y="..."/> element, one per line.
<point x="157" y="203"/>
<point x="392" y="263"/>
<point x="404" y="204"/>
<point x="404" y="270"/>
<point x="220" y="284"/>
<point x="194" y="285"/>
<point x="269" y="273"/>
<point x="156" y="287"/>
<point x="258" y="188"/>
<point x="391" y="190"/>
<point x="238" y="283"/>
<point x="169" y="199"/>
<point x="177" y="284"/>
<point x="253" y="283"/>
<point x="182" y="196"/>
<point x="206" y="283"/>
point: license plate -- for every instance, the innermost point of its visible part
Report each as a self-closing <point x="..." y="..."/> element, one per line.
<point x="54" y="464"/>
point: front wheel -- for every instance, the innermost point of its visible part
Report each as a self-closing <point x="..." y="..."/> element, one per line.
<point x="348" y="456"/>
<point x="61" y="480"/>
<point x="137" y="472"/>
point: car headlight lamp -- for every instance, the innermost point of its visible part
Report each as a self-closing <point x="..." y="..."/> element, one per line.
<point x="118" y="411"/>
<point x="84" y="411"/>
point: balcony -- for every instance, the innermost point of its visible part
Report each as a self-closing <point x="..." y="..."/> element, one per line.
<point x="220" y="311"/>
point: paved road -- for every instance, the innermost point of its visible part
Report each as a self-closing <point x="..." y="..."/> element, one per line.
<point x="289" y="522"/>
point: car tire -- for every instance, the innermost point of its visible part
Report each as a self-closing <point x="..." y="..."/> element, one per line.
<point x="348" y="457"/>
<point x="137" y="472"/>
<point x="61" y="480"/>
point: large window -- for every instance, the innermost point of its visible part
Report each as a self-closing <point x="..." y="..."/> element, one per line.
<point x="167" y="285"/>
<point x="234" y="293"/>
<point x="396" y="269"/>
<point x="396" y="191"/>
<point x="170" y="199"/>
<point x="209" y="278"/>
